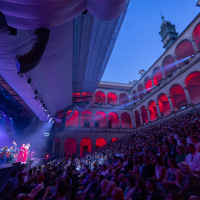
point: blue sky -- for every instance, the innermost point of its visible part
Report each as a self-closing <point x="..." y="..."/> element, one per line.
<point x="139" y="44"/>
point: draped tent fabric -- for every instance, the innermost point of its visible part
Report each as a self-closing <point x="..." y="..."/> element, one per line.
<point x="35" y="14"/>
<point x="53" y="75"/>
<point x="79" y="109"/>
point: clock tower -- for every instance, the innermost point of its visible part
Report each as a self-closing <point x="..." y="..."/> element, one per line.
<point x="168" y="33"/>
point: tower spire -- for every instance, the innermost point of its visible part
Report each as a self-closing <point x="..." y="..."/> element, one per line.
<point x="162" y="17"/>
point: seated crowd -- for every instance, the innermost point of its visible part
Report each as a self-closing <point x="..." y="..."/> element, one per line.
<point x="157" y="163"/>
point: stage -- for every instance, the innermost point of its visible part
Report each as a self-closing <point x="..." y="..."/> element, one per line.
<point x="6" y="168"/>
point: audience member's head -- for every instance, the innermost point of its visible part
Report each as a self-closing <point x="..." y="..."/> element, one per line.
<point x="110" y="187"/>
<point x="104" y="184"/>
<point x="13" y="173"/>
<point x="151" y="185"/>
<point x="61" y="188"/>
<point x="117" y="194"/>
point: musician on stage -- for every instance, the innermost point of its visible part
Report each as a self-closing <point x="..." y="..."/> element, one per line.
<point x="11" y="155"/>
<point x="26" y="152"/>
<point x="14" y="146"/>
<point x="21" y="153"/>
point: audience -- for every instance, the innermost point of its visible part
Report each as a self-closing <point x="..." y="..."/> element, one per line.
<point x="157" y="163"/>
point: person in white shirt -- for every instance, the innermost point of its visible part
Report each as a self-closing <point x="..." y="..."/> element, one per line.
<point x="193" y="159"/>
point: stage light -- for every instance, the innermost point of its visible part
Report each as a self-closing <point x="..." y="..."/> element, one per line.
<point x="29" y="81"/>
<point x="41" y="101"/>
<point x="36" y="98"/>
<point x="48" y="114"/>
<point x="47" y="155"/>
<point x="36" y="91"/>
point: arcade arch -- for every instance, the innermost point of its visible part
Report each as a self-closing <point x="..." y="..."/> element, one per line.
<point x="86" y="146"/>
<point x="126" y="120"/>
<point x="70" y="147"/>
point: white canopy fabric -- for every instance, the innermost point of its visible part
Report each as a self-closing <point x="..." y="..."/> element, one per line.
<point x="53" y="75"/>
<point x="33" y="14"/>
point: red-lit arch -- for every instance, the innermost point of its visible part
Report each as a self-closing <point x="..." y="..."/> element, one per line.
<point x="184" y="50"/>
<point x="100" y="142"/>
<point x="86" y="146"/>
<point x="114" y="139"/>
<point x="163" y="103"/>
<point x="196" y="35"/>
<point x="144" y="115"/>
<point x="169" y="65"/>
<point x="157" y="76"/>
<point x="112" y="98"/>
<point x="178" y="96"/>
<point x="73" y="121"/>
<point x="153" y="110"/>
<point x="140" y="90"/>
<point x="100" y="97"/>
<point x="100" y="119"/>
<point x="86" y="119"/>
<point x="148" y="83"/>
<point x="126" y="120"/>
<point x="137" y="119"/>
<point x="70" y="147"/>
<point x="123" y="99"/>
<point x="113" y="120"/>
<point x="193" y="84"/>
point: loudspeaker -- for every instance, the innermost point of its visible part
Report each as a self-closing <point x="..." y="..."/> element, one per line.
<point x="31" y="59"/>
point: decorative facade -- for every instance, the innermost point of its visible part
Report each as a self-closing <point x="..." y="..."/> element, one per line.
<point x="170" y="87"/>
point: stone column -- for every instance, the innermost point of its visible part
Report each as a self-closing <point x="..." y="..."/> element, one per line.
<point x="106" y="98"/>
<point x="187" y="96"/>
<point x="163" y="73"/>
<point x="94" y="98"/>
<point x="148" y="114"/>
<point x="137" y="95"/>
<point x="118" y="99"/>
<point x="176" y="62"/>
<point x="79" y="120"/>
<point x="106" y="121"/>
<point x="195" y="47"/>
<point x="94" y="121"/>
<point x="152" y="82"/>
<point x="171" y="104"/>
<point x="133" y="122"/>
<point x="93" y="145"/>
<point x="158" y="109"/>
<point x="120" y="122"/>
<point x="144" y="89"/>
<point x="141" y="121"/>
<point x="78" y="146"/>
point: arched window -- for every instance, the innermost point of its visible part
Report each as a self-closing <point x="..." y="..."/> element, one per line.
<point x="137" y="119"/>
<point x="163" y="103"/>
<point x="169" y="65"/>
<point x="86" y="119"/>
<point x="193" y="84"/>
<point x="144" y="115"/>
<point x="113" y="120"/>
<point x="126" y="120"/>
<point x="100" y="119"/>
<point x="140" y="91"/>
<point x="100" y="142"/>
<point x="123" y="99"/>
<point x="148" y="84"/>
<point x="183" y="51"/>
<point x="100" y="97"/>
<point x="157" y="76"/>
<point x="153" y="110"/>
<point x="196" y="35"/>
<point x="86" y="146"/>
<point x="112" y="99"/>
<point x="178" y="96"/>
<point x="114" y="139"/>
